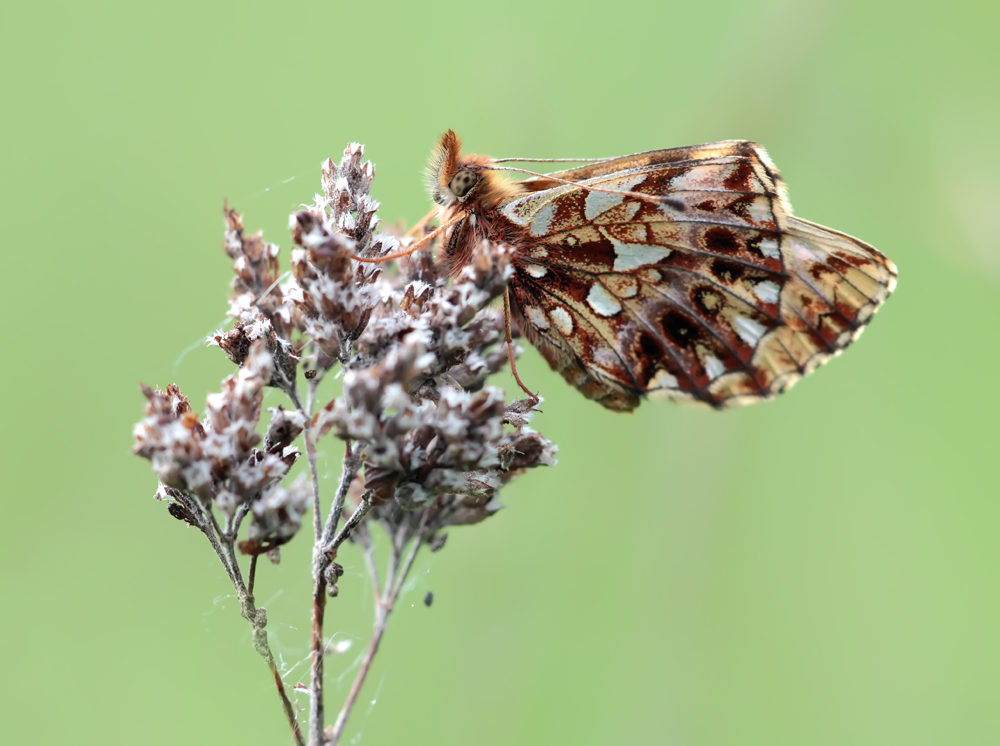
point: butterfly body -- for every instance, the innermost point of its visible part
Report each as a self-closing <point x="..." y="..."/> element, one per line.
<point x="677" y="272"/>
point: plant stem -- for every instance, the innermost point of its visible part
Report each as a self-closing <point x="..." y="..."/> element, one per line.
<point x="319" y="584"/>
<point x="310" y="457"/>
<point x="258" y="620"/>
<point x="320" y="563"/>
<point x="351" y="468"/>
<point x="223" y="542"/>
<point x="209" y="526"/>
<point x="251" y="574"/>
<point x="384" y="603"/>
<point x="286" y="703"/>
<point x="316" y="667"/>
<point x="382" y="615"/>
<point x="330" y="549"/>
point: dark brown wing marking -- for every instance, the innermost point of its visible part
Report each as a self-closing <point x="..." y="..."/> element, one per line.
<point x="719" y="296"/>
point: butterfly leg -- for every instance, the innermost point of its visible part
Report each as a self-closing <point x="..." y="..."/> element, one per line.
<point x="510" y="344"/>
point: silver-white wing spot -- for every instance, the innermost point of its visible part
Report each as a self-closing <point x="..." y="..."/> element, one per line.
<point x="600" y="202"/>
<point x="634" y="255"/>
<point x="563" y="321"/>
<point x="663" y="380"/>
<point x="749" y="330"/>
<point x="542" y="223"/>
<point x="602" y="301"/>
<point x="714" y="367"/>
<point x="536" y="270"/>
<point x="767" y="291"/>
<point x="537" y="317"/>
<point x="769" y="247"/>
<point x="760" y="210"/>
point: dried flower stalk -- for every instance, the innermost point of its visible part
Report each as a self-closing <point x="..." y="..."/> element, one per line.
<point x="428" y="444"/>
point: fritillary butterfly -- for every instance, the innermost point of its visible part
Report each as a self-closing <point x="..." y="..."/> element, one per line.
<point x="677" y="272"/>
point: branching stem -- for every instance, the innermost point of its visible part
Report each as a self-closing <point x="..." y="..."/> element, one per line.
<point x="384" y="603"/>
<point x="224" y="544"/>
<point x="320" y="562"/>
<point x="330" y="549"/>
<point x="307" y="436"/>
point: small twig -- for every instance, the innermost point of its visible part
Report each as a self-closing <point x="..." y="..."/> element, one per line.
<point x="384" y="604"/>
<point x="286" y="704"/>
<point x="319" y="583"/>
<point x="352" y="465"/>
<point x="241" y="513"/>
<point x="338" y="727"/>
<point x="313" y="385"/>
<point x="357" y="516"/>
<point x="318" y="649"/>
<point x="311" y="458"/>
<point x="417" y="542"/>
<point x="251" y="574"/>
<point x="209" y="528"/>
<point x="230" y="544"/>
<point x="257" y="618"/>
<point x="320" y="563"/>
<point x="365" y="539"/>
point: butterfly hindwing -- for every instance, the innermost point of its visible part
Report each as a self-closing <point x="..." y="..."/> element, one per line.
<point x="716" y="294"/>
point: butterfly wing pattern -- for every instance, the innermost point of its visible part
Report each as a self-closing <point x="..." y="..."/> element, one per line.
<point x="715" y="294"/>
<point x="718" y="295"/>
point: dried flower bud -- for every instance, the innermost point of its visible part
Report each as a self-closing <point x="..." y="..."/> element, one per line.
<point x="173" y="439"/>
<point x="332" y="572"/>
<point x="238" y="342"/>
<point x="285" y="427"/>
<point x="333" y="295"/>
<point x="257" y="274"/>
<point x="521" y="412"/>
<point x="425" y="438"/>
<point x="277" y="516"/>
<point x="215" y="459"/>
<point x="181" y="513"/>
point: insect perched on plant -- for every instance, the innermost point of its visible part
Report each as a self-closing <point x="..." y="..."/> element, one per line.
<point x="679" y="272"/>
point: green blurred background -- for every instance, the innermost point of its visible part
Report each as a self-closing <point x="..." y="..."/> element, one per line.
<point x="817" y="570"/>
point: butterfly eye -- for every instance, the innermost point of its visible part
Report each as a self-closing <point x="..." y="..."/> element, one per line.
<point x="462" y="182"/>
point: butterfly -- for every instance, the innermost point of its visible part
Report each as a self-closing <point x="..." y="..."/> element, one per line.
<point x="680" y="272"/>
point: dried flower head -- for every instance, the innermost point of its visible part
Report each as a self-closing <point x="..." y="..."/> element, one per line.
<point x="428" y="443"/>
<point x="257" y="276"/>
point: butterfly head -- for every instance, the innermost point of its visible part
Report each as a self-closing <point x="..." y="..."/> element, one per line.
<point x="456" y="180"/>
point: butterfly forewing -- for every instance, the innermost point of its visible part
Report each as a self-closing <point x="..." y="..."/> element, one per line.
<point x="714" y="294"/>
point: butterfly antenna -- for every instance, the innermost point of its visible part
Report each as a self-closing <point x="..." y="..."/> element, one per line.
<point x="410" y="249"/>
<point x="550" y="160"/>
<point x="672" y="201"/>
